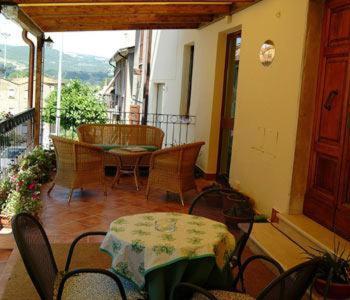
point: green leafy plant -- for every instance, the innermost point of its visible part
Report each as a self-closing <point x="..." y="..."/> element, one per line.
<point x="79" y="105"/>
<point x="332" y="278"/>
<point x="20" y="188"/>
<point x="40" y="162"/>
<point x="334" y="267"/>
<point x="24" y="195"/>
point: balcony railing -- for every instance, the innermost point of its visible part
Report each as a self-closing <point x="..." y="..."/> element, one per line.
<point x="178" y="129"/>
<point x="16" y="137"/>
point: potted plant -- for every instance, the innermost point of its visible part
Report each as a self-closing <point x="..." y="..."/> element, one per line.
<point x="20" y="189"/>
<point x="213" y="199"/>
<point x="23" y="196"/>
<point x="333" y="275"/>
<point x="41" y="162"/>
<point x="240" y="208"/>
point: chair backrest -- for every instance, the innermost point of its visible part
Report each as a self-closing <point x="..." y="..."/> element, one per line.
<point x="182" y="158"/>
<point x="211" y="204"/>
<point x="75" y="155"/>
<point x="292" y="284"/>
<point x="64" y="150"/>
<point x="120" y="134"/>
<point x="36" y="253"/>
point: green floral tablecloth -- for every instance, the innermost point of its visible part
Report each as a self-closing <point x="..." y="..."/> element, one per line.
<point x="139" y="244"/>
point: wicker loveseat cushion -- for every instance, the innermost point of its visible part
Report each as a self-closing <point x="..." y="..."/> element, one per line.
<point x="107" y="147"/>
<point x="94" y="286"/>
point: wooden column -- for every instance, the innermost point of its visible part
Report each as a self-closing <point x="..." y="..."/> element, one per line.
<point x="38" y="87"/>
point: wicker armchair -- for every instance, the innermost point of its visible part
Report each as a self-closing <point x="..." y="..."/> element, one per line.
<point x="172" y="169"/>
<point x="77" y="164"/>
<point x="108" y="136"/>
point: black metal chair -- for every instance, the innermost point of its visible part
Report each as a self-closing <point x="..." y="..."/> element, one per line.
<point x="211" y="204"/>
<point x="290" y="285"/>
<point x="37" y="255"/>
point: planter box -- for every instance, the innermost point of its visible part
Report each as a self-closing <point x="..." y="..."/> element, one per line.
<point x="5" y="221"/>
<point x="336" y="290"/>
<point x="233" y="221"/>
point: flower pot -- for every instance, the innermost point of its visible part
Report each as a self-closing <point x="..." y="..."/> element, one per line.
<point x="336" y="290"/>
<point x="5" y="221"/>
<point x="233" y="198"/>
<point x="233" y="221"/>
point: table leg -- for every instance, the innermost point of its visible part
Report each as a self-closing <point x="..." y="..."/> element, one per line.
<point x="136" y="173"/>
<point x="117" y="175"/>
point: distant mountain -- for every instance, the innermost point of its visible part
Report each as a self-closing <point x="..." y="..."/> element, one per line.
<point x="89" y="68"/>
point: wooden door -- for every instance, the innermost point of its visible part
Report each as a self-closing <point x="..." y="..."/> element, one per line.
<point x="326" y="197"/>
<point x="228" y="109"/>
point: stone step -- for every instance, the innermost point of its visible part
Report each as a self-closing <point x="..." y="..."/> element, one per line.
<point x="268" y="240"/>
<point x="308" y="234"/>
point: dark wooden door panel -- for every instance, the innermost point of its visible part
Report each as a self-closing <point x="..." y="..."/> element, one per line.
<point x="327" y="199"/>
<point x="319" y="211"/>
<point x="339" y="23"/>
<point x="332" y="119"/>
<point x="342" y="223"/>
<point x="326" y="174"/>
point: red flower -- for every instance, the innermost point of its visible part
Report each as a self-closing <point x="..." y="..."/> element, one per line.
<point x="31" y="186"/>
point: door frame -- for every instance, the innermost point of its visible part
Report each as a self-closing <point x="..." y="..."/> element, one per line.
<point x="229" y="36"/>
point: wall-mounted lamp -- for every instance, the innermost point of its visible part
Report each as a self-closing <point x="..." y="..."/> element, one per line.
<point x="48" y="40"/>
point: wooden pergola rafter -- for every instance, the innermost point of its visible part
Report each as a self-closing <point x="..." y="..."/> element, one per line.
<point x="40" y="16"/>
<point x="82" y="15"/>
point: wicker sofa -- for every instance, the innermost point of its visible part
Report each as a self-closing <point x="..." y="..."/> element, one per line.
<point x="109" y="136"/>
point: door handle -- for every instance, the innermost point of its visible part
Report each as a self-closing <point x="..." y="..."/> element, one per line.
<point x="328" y="104"/>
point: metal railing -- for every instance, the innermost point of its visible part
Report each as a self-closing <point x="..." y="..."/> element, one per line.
<point x="178" y="129"/>
<point x="16" y="137"/>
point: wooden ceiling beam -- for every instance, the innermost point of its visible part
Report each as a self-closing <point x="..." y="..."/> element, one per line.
<point x="125" y="19"/>
<point x="99" y="27"/>
<point x="123" y="2"/>
<point x="58" y="11"/>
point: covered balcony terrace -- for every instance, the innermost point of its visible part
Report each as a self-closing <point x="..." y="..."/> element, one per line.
<point x="125" y="210"/>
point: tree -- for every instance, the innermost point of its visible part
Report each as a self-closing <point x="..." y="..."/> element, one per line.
<point x="79" y="105"/>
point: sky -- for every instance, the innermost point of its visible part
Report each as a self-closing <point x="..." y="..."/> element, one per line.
<point x="98" y="43"/>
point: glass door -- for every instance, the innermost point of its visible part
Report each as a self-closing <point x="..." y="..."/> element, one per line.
<point x="229" y="104"/>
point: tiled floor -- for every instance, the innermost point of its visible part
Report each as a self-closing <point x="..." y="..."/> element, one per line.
<point x="90" y="210"/>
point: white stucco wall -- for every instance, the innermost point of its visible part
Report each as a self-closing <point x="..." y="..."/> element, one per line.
<point x="165" y="68"/>
<point x="267" y="97"/>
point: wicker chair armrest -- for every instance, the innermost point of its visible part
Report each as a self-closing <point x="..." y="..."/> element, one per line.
<point x="240" y="275"/>
<point x="194" y="288"/>
<point x="98" y="271"/>
<point x="74" y="243"/>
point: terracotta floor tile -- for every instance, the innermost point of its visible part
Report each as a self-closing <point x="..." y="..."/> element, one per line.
<point x="90" y="210"/>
